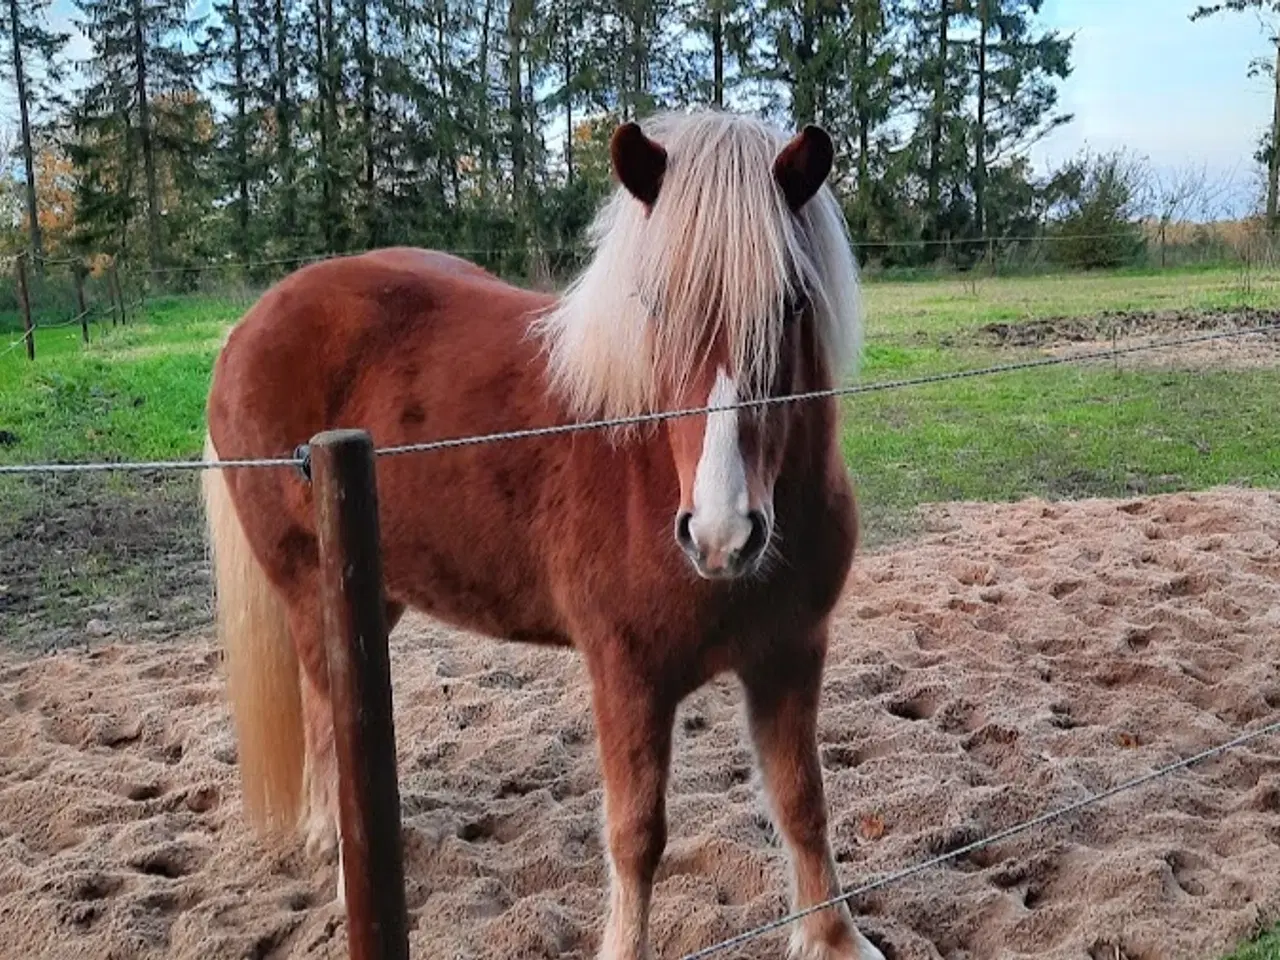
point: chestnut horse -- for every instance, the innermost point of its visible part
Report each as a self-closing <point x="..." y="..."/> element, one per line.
<point x="665" y="555"/>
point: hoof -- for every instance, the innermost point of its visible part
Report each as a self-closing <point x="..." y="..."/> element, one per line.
<point x="860" y="948"/>
<point x="340" y="897"/>
<point x="321" y="838"/>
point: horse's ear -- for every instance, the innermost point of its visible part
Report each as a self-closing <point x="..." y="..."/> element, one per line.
<point x="803" y="165"/>
<point x="638" y="162"/>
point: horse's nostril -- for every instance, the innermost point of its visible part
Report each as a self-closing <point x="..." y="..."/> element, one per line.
<point x="759" y="537"/>
<point x="684" y="530"/>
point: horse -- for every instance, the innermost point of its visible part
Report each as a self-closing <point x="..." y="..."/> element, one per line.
<point x="664" y="553"/>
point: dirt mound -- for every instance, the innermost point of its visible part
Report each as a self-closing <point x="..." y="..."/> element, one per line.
<point x="1108" y="330"/>
<point x="1014" y="659"/>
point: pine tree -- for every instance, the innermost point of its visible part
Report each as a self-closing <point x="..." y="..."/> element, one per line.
<point x="33" y="52"/>
<point x="724" y="62"/>
<point x="239" y="48"/>
<point x="1016" y="91"/>
<point x="142" y="79"/>
<point x="874" y="94"/>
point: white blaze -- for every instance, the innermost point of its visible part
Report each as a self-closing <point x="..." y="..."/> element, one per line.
<point x="721" y="521"/>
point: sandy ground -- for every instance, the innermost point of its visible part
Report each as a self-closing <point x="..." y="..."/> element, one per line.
<point x="1012" y="659"/>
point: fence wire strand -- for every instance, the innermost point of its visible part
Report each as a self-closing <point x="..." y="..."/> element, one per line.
<point x="1000" y="836"/>
<point x="651" y="418"/>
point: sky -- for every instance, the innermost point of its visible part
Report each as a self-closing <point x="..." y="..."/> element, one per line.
<point x="1145" y="79"/>
<point x="1148" y="80"/>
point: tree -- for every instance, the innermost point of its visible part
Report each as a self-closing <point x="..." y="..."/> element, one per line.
<point x="239" y="48"/>
<point x="1016" y="90"/>
<point x="285" y="50"/>
<point x="33" y="52"/>
<point x="1096" y="201"/>
<point x="728" y="31"/>
<point x="875" y="87"/>
<point x="139" y="54"/>
<point x="807" y="47"/>
<point x="323" y="125"/>
<point x="1261" y="7"/>
<point x="939" y="68"/>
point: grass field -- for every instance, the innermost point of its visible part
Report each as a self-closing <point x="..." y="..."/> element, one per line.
<point x="130" y="546"/>
<point x="138" y="391"/>
<point x="1266" y="947"/>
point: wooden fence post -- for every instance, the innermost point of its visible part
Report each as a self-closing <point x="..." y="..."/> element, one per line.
<point x="77" y="271"/>
<point x="24" y="304"/>
<point x="355" y="627"/>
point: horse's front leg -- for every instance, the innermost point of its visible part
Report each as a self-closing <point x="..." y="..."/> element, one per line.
<point x="782" y="703"/>
<point x="633" y="717"/>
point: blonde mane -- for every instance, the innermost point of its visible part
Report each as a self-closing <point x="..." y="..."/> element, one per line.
<point x="720" y="254"/>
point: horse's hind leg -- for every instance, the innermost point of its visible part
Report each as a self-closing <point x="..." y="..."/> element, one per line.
<point x="320" y="770"/>
<point x="782" y="702"/>
<point x="633" y="726"/>
<point x="321" y="826"/>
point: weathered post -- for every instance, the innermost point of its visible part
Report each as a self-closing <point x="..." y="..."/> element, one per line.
<point x="355" y="626"/>
<point x="24" y="304"/>
<point x="77" y="271"/>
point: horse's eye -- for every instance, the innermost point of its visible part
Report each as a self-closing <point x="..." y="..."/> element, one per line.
<point x="797" y="307"/>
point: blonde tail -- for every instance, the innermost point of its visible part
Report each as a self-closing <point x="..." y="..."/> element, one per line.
<point x="261" y="664"/>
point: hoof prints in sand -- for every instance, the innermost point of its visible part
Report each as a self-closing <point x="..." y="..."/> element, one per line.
<point x="1014" y="659"/>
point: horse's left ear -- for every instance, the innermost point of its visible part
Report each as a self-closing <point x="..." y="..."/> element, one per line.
<point x="639" y="162"/>
<point x="803" y="165"/>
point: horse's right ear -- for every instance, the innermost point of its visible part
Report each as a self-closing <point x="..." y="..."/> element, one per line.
<point x="638" y="162"/>
<point x="802" y="166"/>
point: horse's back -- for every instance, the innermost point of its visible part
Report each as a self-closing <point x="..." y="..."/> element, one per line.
<point x="310" y="354"/>
<point x="412" y="346"/>
<point x="416" y="258"/>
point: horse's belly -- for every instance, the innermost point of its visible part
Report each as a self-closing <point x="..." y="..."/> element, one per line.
<point x="498" y="598"/>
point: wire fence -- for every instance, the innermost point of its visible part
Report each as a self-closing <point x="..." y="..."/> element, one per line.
<point x="299" y="458"/>
<point x="1244" y="247"/>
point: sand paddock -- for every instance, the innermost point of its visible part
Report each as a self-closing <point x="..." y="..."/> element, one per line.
<point x="1011" y="659"/>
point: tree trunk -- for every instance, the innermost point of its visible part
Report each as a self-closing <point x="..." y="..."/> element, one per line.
<point x="28" y="152"/>
<point x="980" y="146"/>
<point x="486" y="146"/>
<point x="145" y="134"/>
<point x="322" y="105"/>
<point x="717" y="52"/>
<point x="366" y="119"/>
<point x="863" y="118"/>
<point x="939" y="106"/>
<point x="804" y="94"/>
<point x="568" y="95"/>
<point x="241" y="131"/>
<point x="284" y="120"/>
<point x="515" y="101"/>
<point x="1273" y="172"/>
<point x="448" y="155"/>
<point x="332" y="79"/>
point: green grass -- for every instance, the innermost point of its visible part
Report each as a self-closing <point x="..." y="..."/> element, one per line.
<point x="1065" y="432"/>
<point x="136" y="391"/>
<point x="1266" y="947"/>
